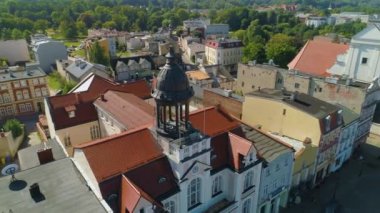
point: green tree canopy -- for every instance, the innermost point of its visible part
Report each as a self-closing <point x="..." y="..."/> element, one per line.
<point x="14" y="126"/>
<point x="98" y="55"/>
<point x="281" y="49"/>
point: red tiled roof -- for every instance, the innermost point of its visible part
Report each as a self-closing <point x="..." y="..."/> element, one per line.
<point x="82" y="101"/>
<point x="100" y="85"/>
<point x="227" y="147"/>
<point x="127" y="108"/>
<point x="118" y="154"/>
<point x="159" y="182"/>
<point x="84" y="111"/>
<point x="239" y="148"/>
<point x="317" y="56"/>
<point x="212" y="121"/>
<point x="130" y="196"/>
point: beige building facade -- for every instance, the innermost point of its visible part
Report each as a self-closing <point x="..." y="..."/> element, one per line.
<point x="297" y="116"/>
<point x="359" y="97"/>
<point x="22" y="91"/>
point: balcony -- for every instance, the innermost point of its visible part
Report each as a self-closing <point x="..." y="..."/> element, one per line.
<point x="222" y="206"/>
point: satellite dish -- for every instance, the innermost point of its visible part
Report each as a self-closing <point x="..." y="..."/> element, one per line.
<point x="9" y="169"/>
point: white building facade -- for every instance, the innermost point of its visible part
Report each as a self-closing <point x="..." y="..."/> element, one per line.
<point x="362" y="61"/>
<point x="225" y="52"/>
<point x="346" y="139"/>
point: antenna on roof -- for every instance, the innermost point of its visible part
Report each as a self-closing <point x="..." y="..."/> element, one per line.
<point x="14" y="185"/>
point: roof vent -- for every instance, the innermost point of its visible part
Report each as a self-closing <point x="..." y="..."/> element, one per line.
<point x="35" y="193"/>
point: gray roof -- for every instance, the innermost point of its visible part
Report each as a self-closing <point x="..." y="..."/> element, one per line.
<point x="18" y="73"/>
<point x="28" y="157"/>
<point x="267" y="147"/>
<point x="349" y="116"/>
<point x="79" y="68"/>
<point x="313" y="106"/>
<point x="60" y="182"/>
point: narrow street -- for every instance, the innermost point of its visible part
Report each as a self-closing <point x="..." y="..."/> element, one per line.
<point x="356" y="184"/>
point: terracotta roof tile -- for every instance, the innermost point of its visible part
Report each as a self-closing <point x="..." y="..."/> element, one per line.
<point x="127" y="109"/>
<point x="317" y="56"/>
<point x="118" y="154"/>
<point x="239" y="148"/>
<point x="227" y="147"/>
<point x="212" y="121"/>
<point x="82" y="101"/>
<point x="130" y="196"/>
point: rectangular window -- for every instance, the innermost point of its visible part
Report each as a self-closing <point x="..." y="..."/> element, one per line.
<point x="3" y="87"/>
<point x="42" y="80"/>
<point x="19" y="95"/>
<point x="10" y="110"/>
<point x="296" y="85"/>
<point x="44" y="91"/>
<point x="38" y="92"/>
<point x="28" y="107"/>
<point x="364" y="60"/>
<point x="3" y="112"/>
<point x="25" y="93"/>
<point x="23" y="83"/>
<point x="6" y="98"/>
<point x="16" y="84"/>
<point x="35" y="81"/>
<point x="21" y="107"/>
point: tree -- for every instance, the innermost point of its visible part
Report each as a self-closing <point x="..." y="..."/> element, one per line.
<point x="14" y="126"/>
<point x="68" y="29"/>
<point x="16" y="34"/>
<point x="255" y="50"/>
<point x="97" y="55"/>
<point x="281" y="49"/>
<point x="41" y="25"/>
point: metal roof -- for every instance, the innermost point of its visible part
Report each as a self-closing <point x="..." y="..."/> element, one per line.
<point x="267" y="147"/>
<point x="60" y="182"/>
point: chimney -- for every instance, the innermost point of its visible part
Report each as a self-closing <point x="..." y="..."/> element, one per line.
<point x="45" y="155"/>
<point x="35" y="193"/>
<point x="102" y="97"/>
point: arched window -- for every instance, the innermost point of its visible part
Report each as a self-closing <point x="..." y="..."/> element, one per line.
<point x="170" y="206"/>
<point x="246" y="206"/>
<point x="194" y="193"/>
<point x="217" y="185"/>
<point x="248" y="181"/>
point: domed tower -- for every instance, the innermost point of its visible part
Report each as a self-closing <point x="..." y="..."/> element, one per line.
<point x="172" y="95"/>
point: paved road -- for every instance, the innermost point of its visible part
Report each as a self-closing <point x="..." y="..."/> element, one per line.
<point x="357" y="185"/>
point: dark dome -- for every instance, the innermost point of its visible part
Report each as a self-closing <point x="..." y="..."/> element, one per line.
<point x="172" y="83"/>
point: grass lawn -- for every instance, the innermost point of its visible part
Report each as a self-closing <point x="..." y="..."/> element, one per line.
<point x="71" y="43"/>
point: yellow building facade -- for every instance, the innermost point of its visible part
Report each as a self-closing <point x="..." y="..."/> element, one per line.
<point x="301" y="119"/>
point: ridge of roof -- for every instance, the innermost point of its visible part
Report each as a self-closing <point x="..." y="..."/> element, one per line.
<point x="298" y="56"/>
<point x="103" y="140"/>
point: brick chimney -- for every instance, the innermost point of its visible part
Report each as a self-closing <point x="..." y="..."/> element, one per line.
<point x="45" y="155"/>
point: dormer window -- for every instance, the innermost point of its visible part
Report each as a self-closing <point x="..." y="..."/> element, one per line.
<point x="71" y="111"/>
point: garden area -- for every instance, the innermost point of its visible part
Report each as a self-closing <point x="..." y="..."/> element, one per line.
<point x="57" y="83"/>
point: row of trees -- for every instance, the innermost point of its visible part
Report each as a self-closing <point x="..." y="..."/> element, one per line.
<point x="276" y="35"/>
<point x="20" y="18"/>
